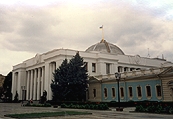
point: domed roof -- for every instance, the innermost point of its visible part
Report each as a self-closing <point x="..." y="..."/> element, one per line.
<point x="105" y="47"/>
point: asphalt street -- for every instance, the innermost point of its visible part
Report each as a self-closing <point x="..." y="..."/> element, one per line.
<point x="127" y="113"/>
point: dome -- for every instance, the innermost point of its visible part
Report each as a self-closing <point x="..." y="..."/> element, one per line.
<point x="105" y="47"/>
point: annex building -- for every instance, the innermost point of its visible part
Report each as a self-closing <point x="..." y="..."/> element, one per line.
<point x="103" y="59"/>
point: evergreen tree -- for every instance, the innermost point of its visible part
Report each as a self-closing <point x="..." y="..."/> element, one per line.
<point x="78" y="78"/>
<point x="7" y="87"/>
<point x="70" y="80"/>
<point x="60" y="82"/>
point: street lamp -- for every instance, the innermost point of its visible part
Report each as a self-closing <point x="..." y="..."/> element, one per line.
<point x="118" y="77"/>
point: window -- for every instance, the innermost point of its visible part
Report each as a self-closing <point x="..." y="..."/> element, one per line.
<point x="107" y="68"/>
<point x="132" y="69"/>
<point x="148" y="91"/>
<point x="94" y="93"/>
<point x="105" y="93"/>
<point x="125" y="68"/>
<point x="86" y="66"/>
<point x="139" y="93"/>
<point x="93" y="67"/>
<point x="122" y="92"/>
<point x="130" y="92"/>
<point x="113" y="92"/>
<point x="158" y="91"/>
<point x="119" y="69"/>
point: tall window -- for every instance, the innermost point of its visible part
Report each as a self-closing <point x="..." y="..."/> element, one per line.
<point x="107" y="68"/>
<point x="119" y="69"/>
<point x="148" y="91"/>
<point x="122" y="92"/>
<point x="86" y="66"/>
<point x="139" y="91"/>
<point x="94" y="93"/>
<point x="113" y="92"/>
<point x="125" y="68"/>
<point x="130" y="92"/>
<point x="93" y="67"/>
<point x="158" y="91"/>
<point x="105" y="93"/>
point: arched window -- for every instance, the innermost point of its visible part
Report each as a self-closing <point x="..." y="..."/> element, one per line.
<point x="94" y="93"/>
<point x="139" y="92"/>
<point x="113" y="92"/>
<point x="130" y="92"/>
<point x="158" y="91"/>
<point x="122" y="92"/>
<point x="148" y="91"/>
<point x="105" y="93"/>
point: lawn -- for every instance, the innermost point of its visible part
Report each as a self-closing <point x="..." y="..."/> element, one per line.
<point x="46" y="114"/>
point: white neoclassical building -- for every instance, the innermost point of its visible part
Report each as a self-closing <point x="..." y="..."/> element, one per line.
<point x="33" y="76"/>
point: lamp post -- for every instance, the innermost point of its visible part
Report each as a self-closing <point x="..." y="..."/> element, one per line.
<point x="118" y="77"/>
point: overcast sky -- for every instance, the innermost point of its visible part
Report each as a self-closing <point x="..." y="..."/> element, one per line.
<point x="28" y="27"/>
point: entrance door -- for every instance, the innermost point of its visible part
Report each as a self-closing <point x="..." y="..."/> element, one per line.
<point x="23" y="94"/>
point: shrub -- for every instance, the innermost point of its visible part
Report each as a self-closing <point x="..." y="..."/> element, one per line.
<point x="46" y="105"/>
<point x="150" y="108"/>
<point x="39" y="105"/>
<point x="96" y="106"/>
<point x="63" y="105"/>
<point x="155" y="109"/>
<point x="158" y="109"/>
<point x="139" y="108"/>
<point x="171" y="110"/>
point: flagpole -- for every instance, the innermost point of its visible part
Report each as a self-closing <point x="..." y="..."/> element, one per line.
<point x="102" y="33"/>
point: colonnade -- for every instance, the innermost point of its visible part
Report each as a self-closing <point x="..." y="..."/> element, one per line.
<point x="38" y="80"/>
<point x="35" y="83"/>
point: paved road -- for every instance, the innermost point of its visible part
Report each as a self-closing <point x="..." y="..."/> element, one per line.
<point x="11" y="108"/>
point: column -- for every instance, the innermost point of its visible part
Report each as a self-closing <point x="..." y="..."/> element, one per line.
<point x="42" y="80"/>
<point x="19" y="85"/>
<point x="115" y="67"/>
<point x="31" y="86"/>
<point x="49" y="81"/>
<point x="28" y="86"/>
<point x="13" y="85"/>
<point x="38" y="82"/>
<point x="16" y="81"/>
<point x="35" y="84"/>
<point x="46" y="78"/>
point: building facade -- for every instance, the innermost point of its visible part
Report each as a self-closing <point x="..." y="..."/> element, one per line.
<point x="33" y="76"/>
<point x="152" y="85"/>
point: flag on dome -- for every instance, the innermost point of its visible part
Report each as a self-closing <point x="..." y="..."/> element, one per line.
<point x="101" y="27"/>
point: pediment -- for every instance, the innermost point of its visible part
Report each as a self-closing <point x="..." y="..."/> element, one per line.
<point x="167" y="70"/>
<point x="93" y="79"/>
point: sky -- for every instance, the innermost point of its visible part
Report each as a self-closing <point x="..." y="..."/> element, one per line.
<point x="138" y="27"/>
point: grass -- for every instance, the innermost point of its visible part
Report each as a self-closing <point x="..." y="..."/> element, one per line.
<point x="46" y="114"/>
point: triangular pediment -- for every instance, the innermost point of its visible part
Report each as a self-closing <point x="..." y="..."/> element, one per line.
<point x="93" y="79"/>
<point x="167" y="70"/>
